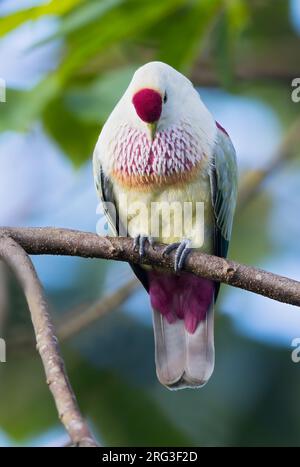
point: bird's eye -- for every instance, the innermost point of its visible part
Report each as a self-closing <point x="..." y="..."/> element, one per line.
<point x="165" y="97"/>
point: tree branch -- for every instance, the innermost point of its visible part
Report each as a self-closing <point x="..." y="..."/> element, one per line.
<point x="56" y="241"/>
<point x="81" y="318"/>
<point x="72" y="325"/>
<point x="17" y="259"/>
<point x="273" y="66"/>
<point x="4" y="299"/>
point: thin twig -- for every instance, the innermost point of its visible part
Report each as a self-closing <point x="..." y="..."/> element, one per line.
<point x="20" y="263"/>
<point x="263" y="71"/>
<point x="54" y="241"/>
<point x="81" y="318"/>
<point x="72" y="325"/>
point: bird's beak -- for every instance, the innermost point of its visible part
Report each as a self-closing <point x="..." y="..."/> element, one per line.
<point x="152" y="130"/>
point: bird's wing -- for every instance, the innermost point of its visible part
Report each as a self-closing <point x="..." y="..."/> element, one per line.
<point x="224" y="191"/>
<point x="104" y="187"/>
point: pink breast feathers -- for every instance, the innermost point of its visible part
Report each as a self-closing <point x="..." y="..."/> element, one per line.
<point x="185" y="297"/>
<point x="172" y="152"/>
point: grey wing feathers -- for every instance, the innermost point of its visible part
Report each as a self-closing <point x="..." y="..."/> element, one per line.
<point x="104" y="188"/>
<point x="224" y="191"/>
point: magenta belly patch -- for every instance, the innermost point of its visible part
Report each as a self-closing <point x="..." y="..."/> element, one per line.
<point x="185" y="297"/>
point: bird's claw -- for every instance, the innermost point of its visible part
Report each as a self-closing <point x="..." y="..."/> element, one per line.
<point x="139" y="243"/>
<point x="182" y="250"/>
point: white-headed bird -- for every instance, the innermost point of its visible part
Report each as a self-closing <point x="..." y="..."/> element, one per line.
<point x="161" y="147"/>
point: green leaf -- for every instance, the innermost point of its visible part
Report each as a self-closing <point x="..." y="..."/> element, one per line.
<point x="117" y="25"/>
<point x="23" y="108"/>
<point x="238" y="15"/>
<point x="126" y="415"/>
<point x="76" y="139"/>
<point x="123" y="413"/>
<point x="192" y="24"/>
<point x="26" y="405"/>
<point x="229" y="27"/>
<point x="54" y="7"/>
<point x="85" y="14"/>
<point x="95" y="102"/>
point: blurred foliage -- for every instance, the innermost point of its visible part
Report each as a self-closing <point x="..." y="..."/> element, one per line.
<point x="248" y="47"/>
<point x="242" y="405"/>
<point x="102" y="40"/>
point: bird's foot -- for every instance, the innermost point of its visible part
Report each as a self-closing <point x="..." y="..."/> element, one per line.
<point x="139" y="243"/>
<point x="182" y="250"/>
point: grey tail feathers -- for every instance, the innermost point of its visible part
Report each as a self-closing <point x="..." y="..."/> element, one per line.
<point x="184" y="360"/>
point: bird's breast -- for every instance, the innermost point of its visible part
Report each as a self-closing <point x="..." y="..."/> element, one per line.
<point x="173" y="157"/>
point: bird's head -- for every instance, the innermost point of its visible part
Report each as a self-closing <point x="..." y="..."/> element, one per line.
<point x="160" y="97"/>
<point x="159" y="125"/>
